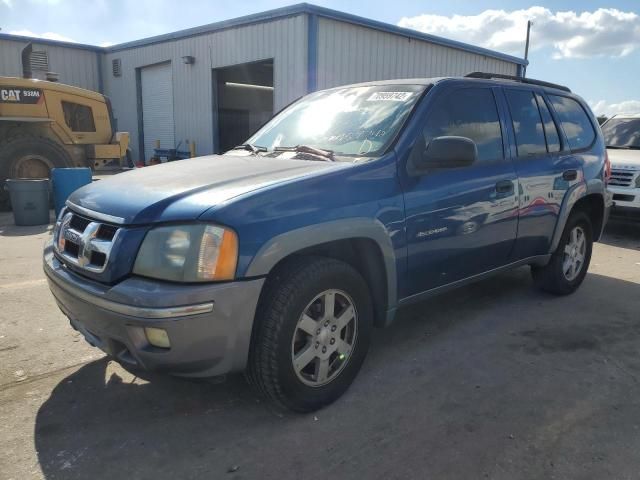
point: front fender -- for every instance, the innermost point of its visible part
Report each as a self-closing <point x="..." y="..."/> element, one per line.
<point x="293" y="241"/>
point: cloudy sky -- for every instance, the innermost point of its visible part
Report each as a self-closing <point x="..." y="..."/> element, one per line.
<point x="591" y="46"/>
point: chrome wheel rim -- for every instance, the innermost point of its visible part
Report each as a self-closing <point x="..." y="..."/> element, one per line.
<point x="574" y="254"/>
<point x="324" y="338"/>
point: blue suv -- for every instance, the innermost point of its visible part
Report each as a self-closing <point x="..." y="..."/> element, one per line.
<point x="280" y="256"/>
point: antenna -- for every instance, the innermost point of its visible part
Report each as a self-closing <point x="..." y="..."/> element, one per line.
<point x="526" y="48"/>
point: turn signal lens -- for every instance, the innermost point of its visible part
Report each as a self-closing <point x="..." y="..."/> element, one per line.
<point x="218" y="254"/>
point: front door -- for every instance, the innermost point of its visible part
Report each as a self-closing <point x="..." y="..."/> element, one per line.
<point x="461" y="221"/>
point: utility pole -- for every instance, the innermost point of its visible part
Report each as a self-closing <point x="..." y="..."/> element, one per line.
<point x="526" y="48"/>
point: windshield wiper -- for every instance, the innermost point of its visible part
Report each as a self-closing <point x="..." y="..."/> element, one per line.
<point x="250" y="147"/>
<point x="624" y="147"/>
<point x="326" y="155"/>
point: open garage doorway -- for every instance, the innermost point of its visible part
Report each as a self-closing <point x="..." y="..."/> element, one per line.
<point x="244" y="101"/>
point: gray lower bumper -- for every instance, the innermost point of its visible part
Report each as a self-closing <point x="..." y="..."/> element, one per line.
<point x="209" y="326"/>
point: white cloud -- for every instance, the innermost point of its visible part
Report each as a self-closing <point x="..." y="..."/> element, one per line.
<point x="8" y="3"/>
<point x="47" y="35"/>
<point x="603" y="108"/>
<point x="602" y="32"/>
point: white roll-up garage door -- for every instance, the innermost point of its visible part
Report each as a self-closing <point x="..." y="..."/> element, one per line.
<point x="157" y="107"/>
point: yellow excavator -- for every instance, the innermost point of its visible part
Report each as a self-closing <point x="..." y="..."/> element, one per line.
<point x="44" y="125"/>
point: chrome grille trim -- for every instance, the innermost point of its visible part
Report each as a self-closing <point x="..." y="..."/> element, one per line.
<point x="80" y="248"/>
<point x="103" y="217"/>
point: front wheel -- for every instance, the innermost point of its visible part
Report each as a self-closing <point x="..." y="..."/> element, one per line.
<point x="312" y="335"/>
<point x="569" y="264"/>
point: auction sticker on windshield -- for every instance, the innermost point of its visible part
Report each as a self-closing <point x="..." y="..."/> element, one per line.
<point x="390" y="96"/>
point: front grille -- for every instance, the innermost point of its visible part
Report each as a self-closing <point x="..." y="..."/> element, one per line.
<point x="621" y="178"/>
<point x="84" y="242"/>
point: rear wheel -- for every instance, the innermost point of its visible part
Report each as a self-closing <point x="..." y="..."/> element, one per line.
<point x="313" y="333"/>
<point x="569" y="264"/>
<point x="29" y="156"/>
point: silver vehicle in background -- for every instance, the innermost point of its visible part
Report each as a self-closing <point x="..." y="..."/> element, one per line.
<point x="622" y="137"/>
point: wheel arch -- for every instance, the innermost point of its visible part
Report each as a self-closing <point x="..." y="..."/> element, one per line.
<point x="588" y="197"/>
<point x="362" y="243"/>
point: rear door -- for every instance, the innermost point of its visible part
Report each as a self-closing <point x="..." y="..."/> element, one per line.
<point x="546" y="169"/>
<point x="461" y="221"/>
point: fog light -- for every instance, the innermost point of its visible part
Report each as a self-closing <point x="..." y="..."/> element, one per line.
<point x="157" y="337"/>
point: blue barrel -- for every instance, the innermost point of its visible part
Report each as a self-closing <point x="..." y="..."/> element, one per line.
<point x="65" y="181"/>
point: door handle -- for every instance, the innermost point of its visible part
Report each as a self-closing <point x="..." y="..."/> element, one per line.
<point x="569" y="175"/>
<point x="504" y="186"/>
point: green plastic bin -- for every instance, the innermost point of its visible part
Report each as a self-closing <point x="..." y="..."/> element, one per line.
<point x="29" y="200"/>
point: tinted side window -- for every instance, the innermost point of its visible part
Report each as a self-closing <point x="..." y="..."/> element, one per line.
<point x="575" y="122"/>
<point x="550" y="129"/>
<point x="527" y="124"/>
<point x="471" y="113"/>
<point x="79" y="118"/>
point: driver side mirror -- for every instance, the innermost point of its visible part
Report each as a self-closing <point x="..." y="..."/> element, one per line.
<point x="442" y="152"/>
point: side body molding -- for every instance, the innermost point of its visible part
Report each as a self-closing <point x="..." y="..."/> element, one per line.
<point x="290" y="242"/>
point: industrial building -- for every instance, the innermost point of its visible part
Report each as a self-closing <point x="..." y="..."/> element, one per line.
<point x="216" y="84"/>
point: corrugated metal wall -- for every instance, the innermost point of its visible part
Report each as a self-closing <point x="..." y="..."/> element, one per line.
<point x="350" y="53"/>
<point x="284" y="40"/>
<point x="75" y="66"/>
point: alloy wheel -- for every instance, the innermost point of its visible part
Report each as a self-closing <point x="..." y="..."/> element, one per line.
<point x="324" y="338"/>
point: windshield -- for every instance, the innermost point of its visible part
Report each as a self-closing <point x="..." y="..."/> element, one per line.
<point x="358" y="121"/>
<point x="622" y="132"/>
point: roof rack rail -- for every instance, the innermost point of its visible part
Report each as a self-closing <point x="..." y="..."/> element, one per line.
<point x="531" y="81"/>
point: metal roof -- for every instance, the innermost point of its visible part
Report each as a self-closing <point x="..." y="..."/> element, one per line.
<point x="278" y="13"/>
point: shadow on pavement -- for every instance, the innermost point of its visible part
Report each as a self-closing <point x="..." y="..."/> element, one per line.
<point x="623" y="231"/>
<point x="9" y="229"/>
<point x="490" y="381"/>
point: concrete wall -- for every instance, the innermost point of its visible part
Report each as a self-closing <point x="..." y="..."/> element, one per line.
<point x="284" y="40"/>
<point x="75" y="66"/>
<point x="349" y="53"/>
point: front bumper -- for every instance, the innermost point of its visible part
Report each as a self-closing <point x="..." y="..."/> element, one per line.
<point x="625" y="197"/>
<point x="209" y="326"/>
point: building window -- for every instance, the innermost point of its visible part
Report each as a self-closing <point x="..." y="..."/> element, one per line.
<point x="79" y="118"/>
<point x="116" y="67"/>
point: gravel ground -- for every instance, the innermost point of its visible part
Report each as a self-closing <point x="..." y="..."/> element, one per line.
<point x="495" y="380"/>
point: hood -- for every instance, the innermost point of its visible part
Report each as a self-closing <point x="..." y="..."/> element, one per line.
<point x="624" y="158"/>
<point x="183" y="190"/>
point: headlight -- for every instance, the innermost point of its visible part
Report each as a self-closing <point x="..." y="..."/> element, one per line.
<point x="188" y="253"/>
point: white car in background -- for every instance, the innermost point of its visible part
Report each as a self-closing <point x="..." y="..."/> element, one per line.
<point x="622" y="137"/>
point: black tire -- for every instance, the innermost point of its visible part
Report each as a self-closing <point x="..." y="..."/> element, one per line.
<point x="287" y="295"/>
<point x="19" y="153"/>
<point x="552" y="278"/>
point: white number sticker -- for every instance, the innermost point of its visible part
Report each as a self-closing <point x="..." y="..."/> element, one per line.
<point x="390" y="97"/>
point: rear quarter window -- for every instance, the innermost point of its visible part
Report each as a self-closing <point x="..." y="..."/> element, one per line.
<point x="574" y="120"/>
